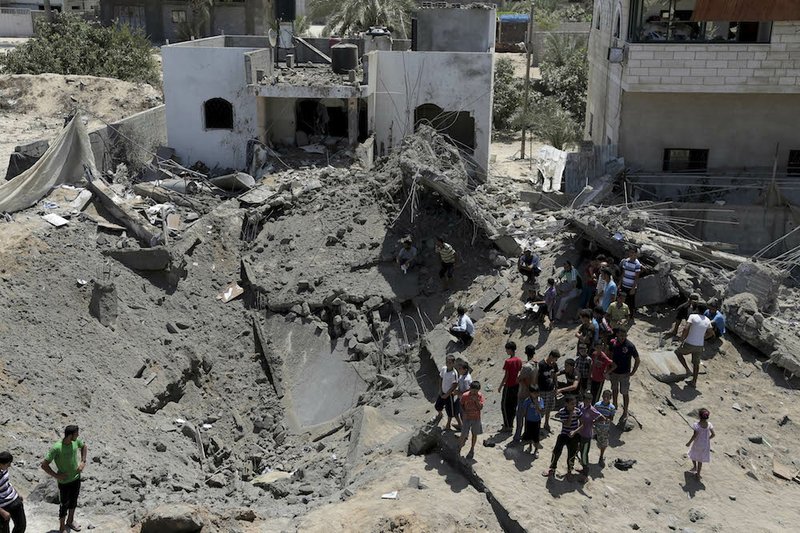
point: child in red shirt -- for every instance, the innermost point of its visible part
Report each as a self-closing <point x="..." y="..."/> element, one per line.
<point x="471" y="405"/>
<point x="602" y="365"/>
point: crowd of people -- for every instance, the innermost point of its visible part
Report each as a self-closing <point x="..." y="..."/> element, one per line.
<point x="575" y="395"/>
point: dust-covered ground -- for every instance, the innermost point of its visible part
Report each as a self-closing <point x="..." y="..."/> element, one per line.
<point x="34" y="107"/>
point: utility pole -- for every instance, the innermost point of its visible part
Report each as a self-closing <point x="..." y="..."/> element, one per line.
<point x="528" y="49"/>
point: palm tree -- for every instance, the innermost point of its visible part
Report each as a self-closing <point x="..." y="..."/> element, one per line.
<point x="351" y="16"/>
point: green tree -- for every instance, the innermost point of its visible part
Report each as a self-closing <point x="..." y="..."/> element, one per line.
<point x="565" y="73"/>
<point x="550" y="122"/>
<point x="352" y="16"/>
<point x="507" y="92"/>
<point x="71" y="45"/>
<point x="196" y="23"/>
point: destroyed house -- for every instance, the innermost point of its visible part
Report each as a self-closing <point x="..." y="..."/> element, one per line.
<point x="697" y="86"/>
<point x="224" y="93"/>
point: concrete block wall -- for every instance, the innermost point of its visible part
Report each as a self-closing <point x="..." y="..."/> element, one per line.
<point x="16" y="22"/>
<point x="726" y="68"/>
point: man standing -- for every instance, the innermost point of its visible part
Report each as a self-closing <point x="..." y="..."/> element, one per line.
<point x="447" y="254"/>
<point x="448" y="383"/>
<point x="510" y="386"/>
<point x="618" y="313"/>
<point x="526" y="378"/>
<point x="407" y="256"/>
<point x="683" y="312"/>
<point x="622" y="351"/>
<point x="716" y="317"/>
<point x="11" y="507"/>
<point x="568" y="288"/>
<point x="547" y="375"/>
<point x="610" y="290"/>
<point x="463" y="329"/>
<point x="693" y="341"/>
<point x="65" y="454"/>
<point x="631" y="269"/>
<point x="528" y="265"/>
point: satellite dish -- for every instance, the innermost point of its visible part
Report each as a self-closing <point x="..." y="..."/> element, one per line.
<point x="272" y="35"/>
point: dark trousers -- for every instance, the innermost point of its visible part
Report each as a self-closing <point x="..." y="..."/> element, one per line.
<point x="597" y="390"/>
<point x="68" y="493"/>
<point x="572" y="450"/>
<point x="509" y="405"/>
<point x="630" y="299"/>
<point x="17" y="512"/>
<point x="463" y="336"/>
<point x="585" y="445"/>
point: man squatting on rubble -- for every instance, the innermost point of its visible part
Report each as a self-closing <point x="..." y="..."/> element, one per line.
<point x="407" y="256"/>
<point x="65" y="455"/>
<point x="463" y="329"/>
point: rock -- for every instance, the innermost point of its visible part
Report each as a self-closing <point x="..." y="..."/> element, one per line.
<point x="46" y="491"/>
<point x="104" y="304"/>
<point x="732" y="498"/>
<point x="245" y="515"/>
<point x="785" y="420"/>
<point x="305" y="489"/>
<point x="384" y="382"/>
<point x="756" y="439"/>
<point x="217" y="481"/>
<point x="174" y="518"/>
<point x="160" y="447"/>
<point x="171" y="328"/>
<point x="424" y="441"/>
<point x="189" y="430"/>
<point x="275" y="482"/>
<point x="413" y="482"/>
<point x="696" y="514"/>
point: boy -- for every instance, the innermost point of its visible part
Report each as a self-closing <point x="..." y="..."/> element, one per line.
<point x="532" y="407"/>
<point x="589" y="417"/>
<point x="583" y="367"/>
<point x="11" y="507"/>
<point x="546" y="377"/>
<point x="618" y="313"/>
<point x="571" y="381"/>
<point x="65" y="455"/>
<point x="448" y="380"/>
<point x="471" y="405"/>
<point x="509" y="386"/>
<point x="602" y="428"/>
<point x="570" y="418"/>
<point x="526" y="379"/>
<point x="447" y="255"/>
<point x="588" y="332"/>
<point x="602" y="366"/>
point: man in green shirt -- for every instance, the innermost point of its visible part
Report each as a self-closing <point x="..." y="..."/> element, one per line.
<point x="619" y="314"/>
<point x="65" y="455"/>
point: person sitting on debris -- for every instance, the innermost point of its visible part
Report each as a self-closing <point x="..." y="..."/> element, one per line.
<point x="683" y="312"/>
<point x="11" y="506"/>
<point x="609" y="291"/>
<point x="622" y="351"/>
<point x="618" y="313"/>
<point x="407" y="256"/>
<point x="631" y="270"/>
<point x="547" y="381"/>
<point x="528" y="266"/>
<point x="448" y="255"/>
<point x="693" y="340"/>
<point x="717" y="319"/>
<point x="568" y="289"/>
<point x="463" y="329"/>
<point x="570" y="418"/>
<point x="448" y="380"/>
<point x="471" y="405"/>
<point x="65" y="455"/>
<point x="571" y="381"/>
<point x="526" y="378"/>
<point x="532" y="409"/>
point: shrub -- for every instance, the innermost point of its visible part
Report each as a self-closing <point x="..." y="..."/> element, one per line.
<point x="506" y="94"/>
<point x="565" y="74"/>
<point x="71" y="45"/>
<point x="550" y="122"/>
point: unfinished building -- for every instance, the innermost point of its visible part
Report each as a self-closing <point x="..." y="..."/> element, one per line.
<point x="224" y="92"/>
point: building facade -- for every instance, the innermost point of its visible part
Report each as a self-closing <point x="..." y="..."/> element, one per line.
<point x="696" y="86"/>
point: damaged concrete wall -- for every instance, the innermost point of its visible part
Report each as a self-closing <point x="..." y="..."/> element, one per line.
<point x="193" y="75"/>
<point x="279" y="120"/>
<point x="455" y="30"/>
<point x="453" y="81"/>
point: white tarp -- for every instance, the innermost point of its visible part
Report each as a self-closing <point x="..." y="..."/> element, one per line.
<point x="550" y="162"/>
<point x="62" y="163"/>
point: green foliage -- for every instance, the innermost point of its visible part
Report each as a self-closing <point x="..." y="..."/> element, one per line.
<point x="346" y="17"/>
<point x="70" y="45"/>
<point x="550" y="122"/>
<point x="199" y="13"/>
<point x="301" y="26"/>
<point x="507" y="94"/>
<point x="565" y="73"/>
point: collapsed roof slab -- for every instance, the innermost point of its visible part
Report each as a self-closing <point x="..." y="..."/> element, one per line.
<point x="310" y="91"/>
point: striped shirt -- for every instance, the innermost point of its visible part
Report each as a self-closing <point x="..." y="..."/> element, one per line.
<point x="447" y="253"/>
<point x="568" y="425"/>
<point x="629" y="271"/>
<point x="7" y="492"/>
<point x="607" y="411"/>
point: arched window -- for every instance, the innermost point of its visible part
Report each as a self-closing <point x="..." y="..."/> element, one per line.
<point x="218" y="114"/>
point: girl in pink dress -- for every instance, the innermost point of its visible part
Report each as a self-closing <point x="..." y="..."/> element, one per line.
<point x="700" y="450"/>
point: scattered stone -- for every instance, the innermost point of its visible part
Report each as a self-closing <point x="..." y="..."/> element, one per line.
<point x="696" y="515"/>
<point x="424" y="441"/>
<point x="413" y="482"/>
<point x="785" y="420"/>
<point x="217" y="481"/>
<point x="732" y="498"/>
<point x="756" y="439"/>
<point x="305" y="489"/>
<point x="171" y="328"/>
<point x="46" y="491"/>
<point x="737" y="407"/>
<point x="175" y="518"/>
<point x="160" y="446"/>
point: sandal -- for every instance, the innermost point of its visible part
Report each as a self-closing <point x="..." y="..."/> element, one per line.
<point x="74" y="527"/>
<point x="549" y="473"/>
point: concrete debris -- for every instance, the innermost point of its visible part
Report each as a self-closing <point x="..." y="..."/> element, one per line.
<point x="175" y="518"/>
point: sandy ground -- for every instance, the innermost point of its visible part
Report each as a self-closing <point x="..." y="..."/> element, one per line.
<point x="34" y="107"/>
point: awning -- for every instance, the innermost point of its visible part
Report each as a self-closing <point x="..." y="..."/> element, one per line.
<point x="746" y="10"/>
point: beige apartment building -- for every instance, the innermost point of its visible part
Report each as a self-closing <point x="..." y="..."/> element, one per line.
<point x="697" y="86"/>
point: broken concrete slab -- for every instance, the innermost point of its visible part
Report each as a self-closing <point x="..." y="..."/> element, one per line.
<point x="104" y="303"/>
<point x="136" y="224"/>
<point x="655" y="289"/>
<point x="55" y="220"/>
<point x="147" y="259"/>
<point x="760" y="280"/>
<point x="236" y="182"/>
<point x="269" y="362"/>
<point x="664" y="366"/>
<point x="490" y="297"/>
<point x="163" y="195"/>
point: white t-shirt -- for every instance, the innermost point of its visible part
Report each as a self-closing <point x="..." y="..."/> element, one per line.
<point x="698" y="325"/>
<point x="448" y="378"/>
